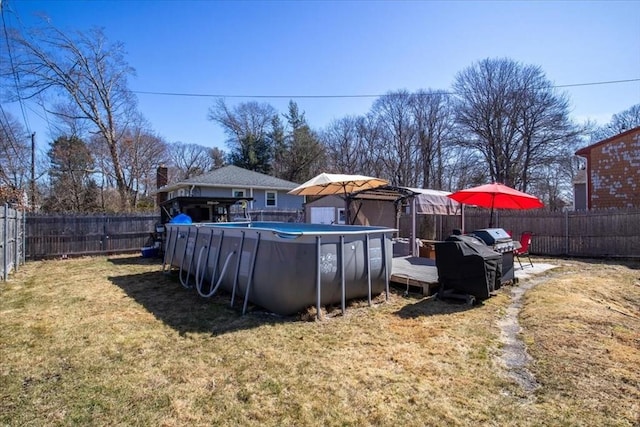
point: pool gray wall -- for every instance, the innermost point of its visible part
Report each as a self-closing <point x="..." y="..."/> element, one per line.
<point x="279" y="266"/>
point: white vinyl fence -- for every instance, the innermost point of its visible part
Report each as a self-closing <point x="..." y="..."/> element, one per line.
<point x="11" y="240"/>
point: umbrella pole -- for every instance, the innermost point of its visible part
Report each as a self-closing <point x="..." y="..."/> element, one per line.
<point x="347" y="205"/>
<point x="493" y="199"/>
<point x="462" y="225"/>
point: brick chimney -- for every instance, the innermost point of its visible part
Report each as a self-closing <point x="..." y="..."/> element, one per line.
<point x="161" y="181"/>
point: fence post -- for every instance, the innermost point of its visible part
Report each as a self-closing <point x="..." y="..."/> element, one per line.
<point x="5" y="244"/>
<point x="16" y="226"/>
<point x="105" y="237"/>
<point x="24" y="237"/>
<point x="566" y="233"/>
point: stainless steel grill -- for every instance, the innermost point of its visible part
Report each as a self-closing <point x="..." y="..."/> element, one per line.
<point x="500" y="241"/>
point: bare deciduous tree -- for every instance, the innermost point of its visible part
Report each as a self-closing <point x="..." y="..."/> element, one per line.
<point x="90" y="74"/>
<point x="190" y="159"/>
<point x="463" y="168"/>
<point x="342" y="145"/>
<point x="625" y="120"/>
<point x="434" y="126"/>
<point x="512" y="115"/>
<point x="393" y="114"/>
<point x="14" y="153"/>
<point x="370" y="136"/>
<point x="553" y="182"/>
<point x="141" y="152"/>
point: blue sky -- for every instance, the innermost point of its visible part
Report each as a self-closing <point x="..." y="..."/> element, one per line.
<point x="303" y="48"/>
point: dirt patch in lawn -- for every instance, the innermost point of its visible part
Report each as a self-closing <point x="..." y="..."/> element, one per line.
<point x="514" y="356"/>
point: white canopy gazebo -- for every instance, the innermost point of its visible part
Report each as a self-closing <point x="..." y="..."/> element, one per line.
<point x="422" y="202"/>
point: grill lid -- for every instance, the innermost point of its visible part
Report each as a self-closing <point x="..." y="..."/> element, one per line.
<point x="492" y="236"/>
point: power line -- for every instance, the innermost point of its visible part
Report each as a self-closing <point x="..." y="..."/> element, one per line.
<point x="598" y="83"/>
<point x="208" y="95"/>
<point x="14" y="73"/>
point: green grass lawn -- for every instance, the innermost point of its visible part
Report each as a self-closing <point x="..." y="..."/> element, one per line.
<point x="113" y="341"/>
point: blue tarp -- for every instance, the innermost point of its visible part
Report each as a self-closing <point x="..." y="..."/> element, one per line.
<point x="181" y="219"/>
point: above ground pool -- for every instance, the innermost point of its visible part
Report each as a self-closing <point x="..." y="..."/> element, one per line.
<point x="282" y="267"/>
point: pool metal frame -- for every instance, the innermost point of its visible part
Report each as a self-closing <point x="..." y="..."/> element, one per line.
<point x="169" y="255"/>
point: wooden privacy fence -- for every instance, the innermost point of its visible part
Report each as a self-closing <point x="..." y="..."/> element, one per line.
<point x="11" y="240"/>
<point x="602" y="233"/>
<point x="49" y="236"/>
<point x="56" y="235"/>
<point x="610" y="233"/>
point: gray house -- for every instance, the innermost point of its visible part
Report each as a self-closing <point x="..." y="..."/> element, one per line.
<point x="217" y="195"/>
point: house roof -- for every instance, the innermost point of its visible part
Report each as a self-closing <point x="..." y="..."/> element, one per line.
<point x="586" y="150"/>
<point x="234" y="177"/>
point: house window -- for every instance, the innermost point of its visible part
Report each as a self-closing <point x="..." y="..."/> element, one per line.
<point x="271" y="198"/>
<point x="239" y="193"/>
<point x="342" y="218"/>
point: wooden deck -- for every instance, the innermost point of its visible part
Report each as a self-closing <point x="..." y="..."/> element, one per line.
<point x="415" y="272"/>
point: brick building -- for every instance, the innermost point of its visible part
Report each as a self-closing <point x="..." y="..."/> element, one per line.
<point x="612" y="175"/>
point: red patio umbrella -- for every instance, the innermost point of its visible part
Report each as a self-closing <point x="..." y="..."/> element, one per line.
<point x="496" y="196"/>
